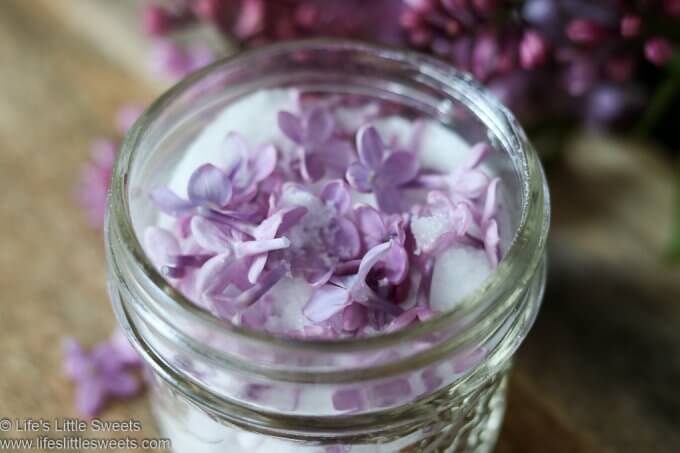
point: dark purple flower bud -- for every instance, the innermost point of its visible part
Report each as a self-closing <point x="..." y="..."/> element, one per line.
<point x="584" y="31"/>
<point x="631" y="26"/>
<point x="533" y="50"/>
<point x="658" y="50"/>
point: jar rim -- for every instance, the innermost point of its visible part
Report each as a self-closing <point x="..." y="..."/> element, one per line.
<point x="521" y="259"/>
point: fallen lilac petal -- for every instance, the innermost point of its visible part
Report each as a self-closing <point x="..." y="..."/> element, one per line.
<point x="491" y="243"/>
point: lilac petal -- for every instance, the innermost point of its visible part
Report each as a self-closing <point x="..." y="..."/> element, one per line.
<point x="269" y="227"/>
<point x="337" y="194"/>
<point x="409" y="317"/>
<point x="359" y="177"/>
<point x="346" y="241"/>
<point x="370" y="259"/>
<point x="291" y="126"/>
<point x="268" y="280"/>
<point x="354" y="317"/>
<point x="399" y="168"/>
<point x="318" y="125"/>
<point x="264" y="163"/>
<point x="491" y="242"/>
<point x="313" y="166"/>
<point x="325" y="302"/>
<point x="490" y="201"/>
<point x="256" y="267"/>
<point x="290" y="217"/>
<point x="169" y="203"/>
<point x="90" y="396"/>
<point x="371" y="224"/>
<point x="249" y="248"/>
<point x="126" y="353"/>
<point x="211" y="236"/>
<point x="471" y="183"/>
<point x="75" y="360"/>
<point x="396" y="264"/>
<point x="122" y="385"/>
<point x="370" y="146"/>
<point x="160" y="244"/>
<point x="337" y="155"/>
<point x="234" y="144"/>
<point x="348" y="399"/>
<point x="478" y="153"/>
<point x="212" y="277"/>
<point x="389" y="200"/>
<point x="209" y="185"/>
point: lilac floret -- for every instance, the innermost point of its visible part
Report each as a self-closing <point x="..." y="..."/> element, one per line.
<point x="379" y="172"/>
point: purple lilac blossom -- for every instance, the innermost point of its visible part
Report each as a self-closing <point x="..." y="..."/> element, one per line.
<point x="110" y="370"/>
<point x="359" y="260"/>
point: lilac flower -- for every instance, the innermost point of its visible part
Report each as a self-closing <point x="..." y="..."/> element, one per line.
<point x="166" y="253"/>
<point x="266" y="238"/>
<point x="100" y="374"/>
<point x="251" y="168"/>
<point x="209" y="194"/>
<point x="381" y="174"/>
<point x="342" y="291"/>
<point x="95" y="178"/>
<point x="313" y="134"/>
<point x="377" y="229"/>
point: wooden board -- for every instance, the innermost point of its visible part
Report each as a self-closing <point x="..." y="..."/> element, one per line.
<point x="597" y="374"/>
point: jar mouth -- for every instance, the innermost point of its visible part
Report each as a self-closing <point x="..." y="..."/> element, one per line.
<point x="521" y="259"/>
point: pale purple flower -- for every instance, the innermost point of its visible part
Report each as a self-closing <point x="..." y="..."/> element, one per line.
<point x="380" y="172"/>
<point x="164" y="249"/>
<point x="209" y="192"/>
<point x="252" y="167"/>
<point x="342" y="291"/>
<point x="101" y="374"/>
<point x="378" y="228"/>
<point x="326" y="239"/>
<point x="313" y="133"/>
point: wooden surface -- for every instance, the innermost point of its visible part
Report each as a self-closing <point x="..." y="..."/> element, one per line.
<point x="598" y="373"/>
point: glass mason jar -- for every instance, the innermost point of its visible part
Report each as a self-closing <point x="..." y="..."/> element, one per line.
<point x="438" y="386"/>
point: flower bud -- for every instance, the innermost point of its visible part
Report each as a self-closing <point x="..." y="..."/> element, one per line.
<point x="533" y="50"/>
<point x="658" y="50"/>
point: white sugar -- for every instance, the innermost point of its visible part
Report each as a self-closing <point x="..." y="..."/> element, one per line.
<point x="458" y="272"/>
<point x="426" y="229"/>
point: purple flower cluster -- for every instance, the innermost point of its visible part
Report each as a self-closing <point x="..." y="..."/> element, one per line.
<point x="599" y="55"/>
<point x="110" y="370"/>
<point x="289" y="213"/>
